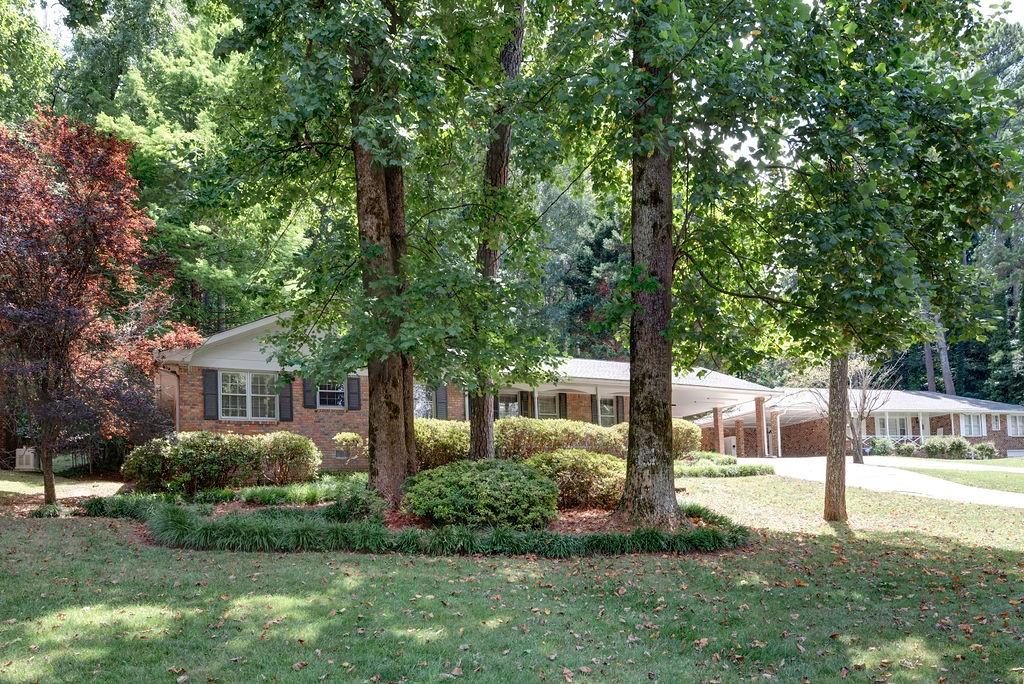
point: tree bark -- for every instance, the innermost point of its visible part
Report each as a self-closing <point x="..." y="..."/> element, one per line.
<point x="481" y="415"/>
<point x="929" y="365"/>
<point x="943" y="348"/>
<point x="649" y="497"/>
<point x="380" y="214"/>
<point x="835" y="461"/>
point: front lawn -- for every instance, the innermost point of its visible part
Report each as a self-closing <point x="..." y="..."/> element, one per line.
<point x="1006" y="462"/>
<point x="20" y="486"/>
<point x="989" y="479"/>
<point x="915" y="589"/>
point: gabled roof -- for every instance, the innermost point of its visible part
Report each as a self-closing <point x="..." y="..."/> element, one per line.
<point x="595" y="369"/>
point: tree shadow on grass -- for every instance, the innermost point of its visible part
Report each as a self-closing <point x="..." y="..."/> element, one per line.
<point x="91" y="600"/>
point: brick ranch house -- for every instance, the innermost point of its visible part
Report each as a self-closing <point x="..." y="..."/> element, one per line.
<point x="230" y="384"/>
<point x="797" y="424"/>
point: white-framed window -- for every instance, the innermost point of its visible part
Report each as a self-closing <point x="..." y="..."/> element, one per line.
<point x="248" y="395"/>
<point x="508" y="405"/>
<point x="997" y="423"/>
<point x="972" y="424"/>
<point x="892" y="425"/>
<point x="547" y="407"/>
<point x="606" y="412"/>
<point x="422" y="401"/>
<point x="1015" y="425"/>
<point x="330" y="395"/>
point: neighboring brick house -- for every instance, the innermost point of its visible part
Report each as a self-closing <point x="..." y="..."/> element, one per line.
<point x="231" y="384"/>
<point x="798" y="415"/>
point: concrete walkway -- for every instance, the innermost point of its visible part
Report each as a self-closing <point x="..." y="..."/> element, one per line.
<point x="938" y="464"/>
<point x="888" y="479"/>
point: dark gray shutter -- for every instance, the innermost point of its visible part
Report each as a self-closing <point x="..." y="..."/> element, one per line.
<point x="524" y="405"/>
<point x="211" y="402"/>
<point x="355" y="397"/>
<point x="441" y="402"/>
<point x="495" y="406"/>
<point x="563" y="405"/>
<point x="308" y="394"/>
<point x="620" y="409"/>
<point x="593" y="408"/>
<point x="284" y="402"/>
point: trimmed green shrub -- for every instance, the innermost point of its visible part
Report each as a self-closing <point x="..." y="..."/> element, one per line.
<point x="355" y="501"/>
<point x="522" y="438"/>
<point x="482" y="493"/>
<point x="193" y="461"/>
<point x="986" y="450"/>
<point x="46" y="511"/>
<point x="958" y="447"/>
<point x="439" y="442"/>
<point x="881" y="446"/>
<point x="713" y="456"/>
<point x="906" y="449"/>
<point x="307" y="531"/>
<point x="584" y="479"/>
<point x="936" y="447"/>
<point x="353" y="444"/>
<point x="709" y="469"/>
<point x="288" y="457"/>
<point x="685" y="438"/>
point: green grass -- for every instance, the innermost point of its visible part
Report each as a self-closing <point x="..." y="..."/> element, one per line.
<point x="992" y="479"/>
<point x="1005" y="462"/>
<point x="914" y="590"/>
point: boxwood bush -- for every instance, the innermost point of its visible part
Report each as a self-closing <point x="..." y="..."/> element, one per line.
<point x="881" y="446"/>
<point x="439" y="442"/>
<point x="986" y="450"/>
<point x="482" y="493"/>
<point x="584" y="479"/>
<point x="523" y="438"/>
<point x="906" y="449"/>
<point x="713" y="456"/>
<point x="955" y="447"/>
<point x="288" y="457"/>
<point x="709" y="469"/>
<point x="685" y="438"/>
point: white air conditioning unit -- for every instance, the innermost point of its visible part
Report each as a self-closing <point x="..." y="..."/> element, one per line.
<point x="25" y="459"/>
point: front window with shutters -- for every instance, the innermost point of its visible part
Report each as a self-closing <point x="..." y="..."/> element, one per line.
<point x="508" y="405"/>
<point x="972" y="425"/>
<point x="330" y="395"/>
<point x="607" y="416"/>
<point x="248" y="395"/>
<point x="547" y="407"/>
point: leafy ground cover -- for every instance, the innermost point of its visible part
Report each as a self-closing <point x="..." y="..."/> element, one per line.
<point x="989" y="479"/>
<point x="913" y="590"/>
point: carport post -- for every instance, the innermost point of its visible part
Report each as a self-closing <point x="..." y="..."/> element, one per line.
<point x="778" y="435"/>
<point x="719" y="430"/>
<point x="741" y="439"/>
<point x="760" y="429"/>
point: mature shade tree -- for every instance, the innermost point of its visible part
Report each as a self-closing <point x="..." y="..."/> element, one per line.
<point x="72" y="317"/>
<point x="27" y="62"/>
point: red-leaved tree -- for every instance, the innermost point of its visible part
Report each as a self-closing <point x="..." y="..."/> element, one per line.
<point x="77" y="332"/>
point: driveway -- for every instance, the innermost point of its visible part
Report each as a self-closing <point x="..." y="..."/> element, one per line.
<point x="888" y="479"/>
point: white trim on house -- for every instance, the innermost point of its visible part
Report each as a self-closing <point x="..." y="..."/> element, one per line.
<point x="1015" y="425"/>
<point x="973" y="425"/>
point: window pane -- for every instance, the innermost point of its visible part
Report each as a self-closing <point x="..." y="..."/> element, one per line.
<point x="232" y="383"/>
<point x="330" y="394"/>
<point x="232" y="406"/>
<point x="607" y="412"/>
<point x="264" y="407"/>
<point x="508" y="405"/>
<point x="547" y="407"/>
<point x="264" y="383"/>
<point x="422" y="402"/>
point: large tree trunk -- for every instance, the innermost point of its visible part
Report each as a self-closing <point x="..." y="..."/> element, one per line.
<point x="943" y="349"/>
<point x="481" y="415"/>
<point x="835" y="461"/>
<point x="380" y="214"/>
<point x="649" y="497"/>
<point x="929" y="365"/>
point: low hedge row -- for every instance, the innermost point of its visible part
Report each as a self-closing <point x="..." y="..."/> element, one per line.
<point x="189" y="462"/>
<point x="709" y="469"/>
<point x="713" y="456"/>
<point x="179" y="527"/>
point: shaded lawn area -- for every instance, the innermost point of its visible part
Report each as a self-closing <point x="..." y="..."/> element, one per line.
<point x="916" y="590"/>
<point x="18" y="485"/>
<point x="1006" y="482"/>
